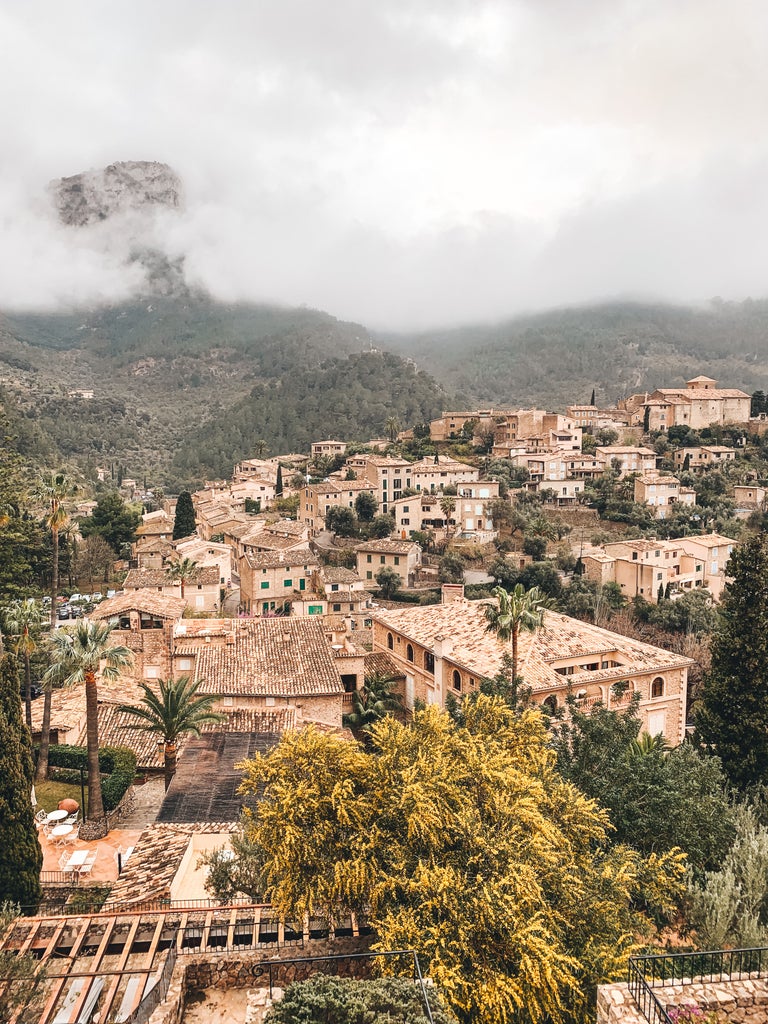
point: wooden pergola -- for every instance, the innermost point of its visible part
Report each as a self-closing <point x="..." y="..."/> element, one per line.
<point x="115" y="961"/>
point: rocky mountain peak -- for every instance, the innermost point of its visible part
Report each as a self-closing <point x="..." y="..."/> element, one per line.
<point x="124" y="187"/>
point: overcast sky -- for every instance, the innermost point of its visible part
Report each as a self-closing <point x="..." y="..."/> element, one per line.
<point x="405" y="163"/>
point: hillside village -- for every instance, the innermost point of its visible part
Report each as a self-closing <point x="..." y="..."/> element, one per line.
<point x="308" y="586"/>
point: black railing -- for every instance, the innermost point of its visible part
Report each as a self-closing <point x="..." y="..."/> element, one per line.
<point x="647" y="973"/>
<point x="272" y="966"/>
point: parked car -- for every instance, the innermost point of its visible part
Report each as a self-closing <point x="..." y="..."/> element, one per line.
<point x="64" y="611"/>
<point x="95" y="598"/>
<point x="76" y="598"/>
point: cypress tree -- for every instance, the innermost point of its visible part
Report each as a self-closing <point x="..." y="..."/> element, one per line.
<point x="21" y="857"/>
<point x="185" y="523"/>
<point x="592" y="399"/>
<point x="279" y="481"/>
<point x="732" y="717"/>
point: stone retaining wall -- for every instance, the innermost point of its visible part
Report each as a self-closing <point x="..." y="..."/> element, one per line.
<point x="244" y="969"/>
<point x="743" y="1000"/>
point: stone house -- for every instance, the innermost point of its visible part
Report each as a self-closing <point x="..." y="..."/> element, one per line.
<point x="661" y="491"/>
<point x="749" y="497"/>
<point x="445" y="648"/>
<point x="435" y="474"/>
<point x="317" y="499"/>
<point x="264" y="664"/>
<point x="145" y="620"/>
<point x="331" y="449"/>
<point x="627" y="459"/>
<point x="388" y="477"/>
<point x="699" y="404"/>
<point x="202" y="591"/>
<point x="207" y="553"/>
<point x="451" y="424"/>
<point x="704" y="457"/>
<point x="271" y="580"/>
<point x="401" y="555"/>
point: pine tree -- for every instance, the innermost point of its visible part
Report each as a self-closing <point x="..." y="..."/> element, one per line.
<point x="185" y="523"/>
<point x="732" y="718"/>
<point x="21" y="857"/>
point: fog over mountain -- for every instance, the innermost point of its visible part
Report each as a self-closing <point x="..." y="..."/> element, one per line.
<point x="405" y="165"/>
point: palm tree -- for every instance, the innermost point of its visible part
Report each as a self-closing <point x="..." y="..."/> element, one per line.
<point x="175" y="711"/>
<point x="22" y="619"/>
<point x="181" y="571"/>
<point x="447" y="507"/>
<point x="515" y="611"/>
<point x="392" y="426"/>
<point x="372" y="703"/>
<point x="77" y="656"/>
<point x="53" y="490"/>
<point x="648" y="746"/>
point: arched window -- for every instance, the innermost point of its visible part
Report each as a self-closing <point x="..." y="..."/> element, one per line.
<point x="657" y="687"/>
<point x="456" y="680"/>
<point x="550" y="702"/>
<point x="390" y="641"/>
<point x="409" y="652"/>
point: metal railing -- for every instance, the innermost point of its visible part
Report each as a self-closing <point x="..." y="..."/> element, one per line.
<point x="647" y="973"/>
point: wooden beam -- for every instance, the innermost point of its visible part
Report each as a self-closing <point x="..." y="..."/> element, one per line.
<point x="149" y="961"/>
<point x="256" y="925"/>
<point x="180" y="933"/>
<point x="121" y="964"/>
<point x="206" y="931"/>
<point x="231" y="929"/>
<point x="59" y="982"/>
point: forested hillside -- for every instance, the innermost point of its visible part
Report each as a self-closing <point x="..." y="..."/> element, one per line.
<point x="348" y="398"/>
<point x="183" y="387"/>
<point x="556" y="358"/>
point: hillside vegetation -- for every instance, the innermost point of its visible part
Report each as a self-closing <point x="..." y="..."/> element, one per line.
<point x="556" y="358"/>
<point x="184" y="386"/>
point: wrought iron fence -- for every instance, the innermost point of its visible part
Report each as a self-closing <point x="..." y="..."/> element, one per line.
<point x="647" y="973"/>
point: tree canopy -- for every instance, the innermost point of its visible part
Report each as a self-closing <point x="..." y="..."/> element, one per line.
<point x="463" y="842"/>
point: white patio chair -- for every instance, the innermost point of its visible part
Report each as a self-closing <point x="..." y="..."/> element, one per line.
<point x="40" y="818"/>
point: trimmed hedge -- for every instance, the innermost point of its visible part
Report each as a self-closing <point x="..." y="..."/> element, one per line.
<point x="117" y="764"/>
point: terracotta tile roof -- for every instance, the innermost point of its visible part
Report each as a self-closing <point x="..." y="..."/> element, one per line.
<point x="270" y="657"/>
<point x="689" y="394"/>
<point x="397" y="547"/>
<point x="156" y="858"/>
<point x="463" y="624"/>
<point x="270" y="720"/>
<point x="380" y="663"/>
<point x="68" y="705"/>
<point x="119" y="729"/>
<point x="338" y="574"/>
<point x="166" y="606"/>
<point x="273" y="559"/>
<point x="265" y="540"/>
<point x="138" y="579"/>
<point x="287" y="527"/>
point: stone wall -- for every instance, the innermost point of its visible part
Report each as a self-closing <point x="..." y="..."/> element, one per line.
<point x="740" y="1000"/>
<point x="196" y="972"/>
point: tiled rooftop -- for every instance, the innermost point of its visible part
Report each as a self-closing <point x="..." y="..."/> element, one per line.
<point x="138" y="579"/>
<point x="396" y="547"/>
<point x="463" y="624"/>
<point x="166" y="606"/>
<point x="280" y="657"/>
<point x="273" y="559"/>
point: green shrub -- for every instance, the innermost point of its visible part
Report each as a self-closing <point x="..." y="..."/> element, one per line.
<point x="343" y="1001"/>
<point x="117" y="764"/>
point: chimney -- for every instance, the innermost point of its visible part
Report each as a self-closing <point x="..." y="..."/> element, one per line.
<point x="451" y="593"/>
<point x="442" y="647"/>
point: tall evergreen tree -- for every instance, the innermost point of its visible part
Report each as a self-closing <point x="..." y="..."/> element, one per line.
<point x="592" y="399"/>
<point x="185" y="523"/>
<point x="732" y="717"/>
<point x="279" y="481"/>
<point x="21" y="857"/>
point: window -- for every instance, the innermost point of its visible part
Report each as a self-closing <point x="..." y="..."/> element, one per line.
<point x="390" y="641"/>
<point x="185" y="664"/>
<point x="369" y="575"/>
<point x="369" y="558"/>
<point x="287" y="583"/>
<point x="551" y="703"/>
<point x="657" y="687"/>
<point x="456" y="679"/>
<point x="383" y="559"/>
<point x="265" y="584"/>
<point x="409" y="652"/>
<point x="151" y="672"/>
<point x="397" y="559"/>
<point x="334" y="587"/>
<point x="337" y="607"/>
<point x="429" y="661"/>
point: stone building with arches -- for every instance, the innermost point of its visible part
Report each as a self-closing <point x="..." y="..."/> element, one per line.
<point x="446" y="648"/>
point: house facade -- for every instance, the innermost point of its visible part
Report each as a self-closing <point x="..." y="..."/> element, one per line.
<point x="445" y="648"/>
<point x="699" y="404"/>
<point x="661" y="492"/>
<point x="401" y="555"/>
<point x="271" y="580"/>
<point x="202" y="591"/>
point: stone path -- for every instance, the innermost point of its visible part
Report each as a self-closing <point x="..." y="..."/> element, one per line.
<point x="146" y="804"/>
<point x="231" y="1006"/>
